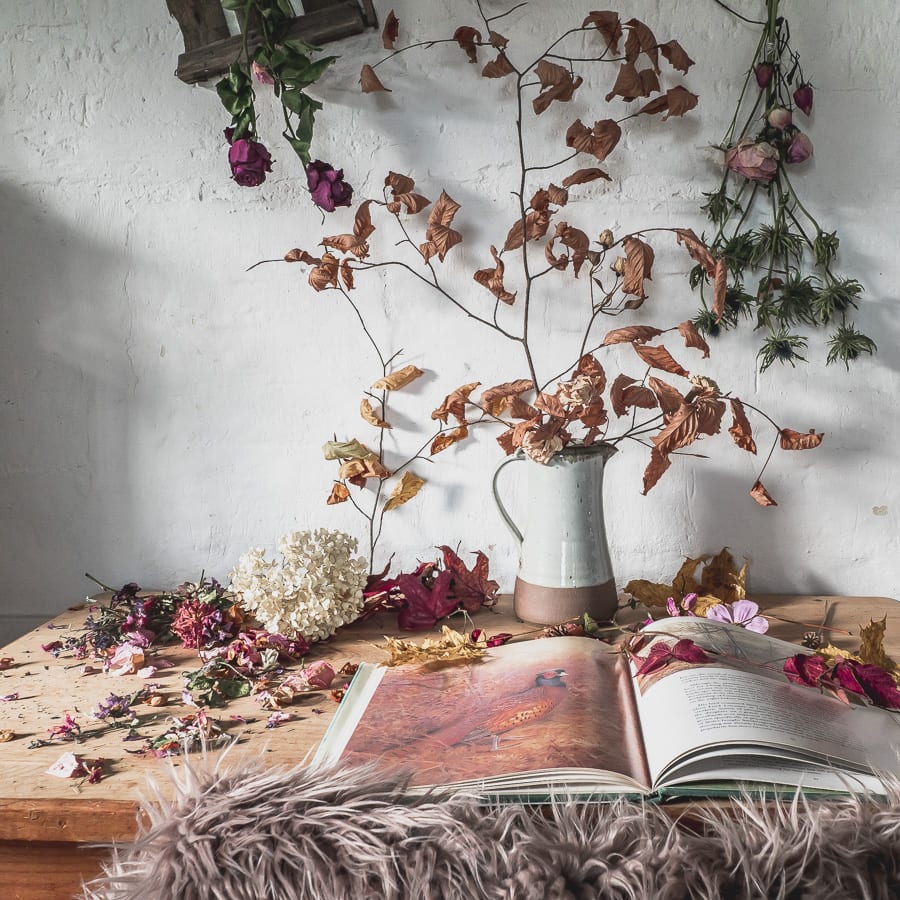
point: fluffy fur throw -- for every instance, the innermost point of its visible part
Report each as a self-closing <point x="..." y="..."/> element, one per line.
<point x="242" y="833"/>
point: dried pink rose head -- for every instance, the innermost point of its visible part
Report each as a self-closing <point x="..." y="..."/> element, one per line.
<point x="803" y="97"/>
<point x="327" y="186"/>
<point x="779" y="117"/>
<point x="249" y="161"/>
<point x="763" y="73"/>
<point x="756" y="161"/>
<point x="800" y="149"/>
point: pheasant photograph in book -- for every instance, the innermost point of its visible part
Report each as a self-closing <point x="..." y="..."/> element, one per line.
<point x="687" y="707"/>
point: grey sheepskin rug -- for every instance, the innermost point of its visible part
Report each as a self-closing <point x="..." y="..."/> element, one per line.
<point x="239" y="832"/>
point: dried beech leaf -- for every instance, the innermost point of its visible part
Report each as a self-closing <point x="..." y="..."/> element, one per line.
<point x="797" y="440"/>
<point x="670" y="398"/>
<point x="345" y="450"/>
<point x="517" y="408"/>
<point x="675" y="102"/>
<point x="398" y="379"/>
<point x="640" y="40"/>
<point x="399" y="184"/>
<point x="497" y="41"/>
<point x="684" y="582"/>
<point x="455" y="404"/>
<point x="347" y="274"/>
<point x="576" y="240"/>
<point x="680" y="432"/>
<point x="709" y="415"/>
<point x="347" y="243"/>
<point x="371" y="84"/>
<point x="441" y="237"/>
<point x="447" y="438"/>
<point x="413" y="202"/>
<point x="536" y="224"/>
<point x="590" y="365"/>
<point x="631" y="333"/>
<point x="582" y="176"/>
<point x="599" y="141"/>
<point x="325" y="274"/>
<point x="404" y="490"/>
<point x="392" y="29"/>
<point x="368" y="413"/>
<point x="617" y="394"/>
<point x="558" y="196"/>
<point x="674" y="53"/>
<point x="498" y="68"/>
<point x="339" y="494"/>
<point x="506" y="441"/>
<point x="740" y="429"/>
<point x="551" y="405"/>
<point x="697" y="249"/>
<point x="298" y="255"/>
<point x="660" y="358"/>
<point x="557" y="83"/>
<point x="362" y="221"/>
<point x="631" y="84"/>
<point x="639" y="395"/>
<point x="693" y="338"/>
<point x="494" y="400"/>
<point x="358" y="470"/>
<point x="761" y="495"/>
<point x="638" y="266"/>
<point x="452" y="647"/>
<point x="656" y="468"/>
<point x="467" y="36"/>
<point x="492" y="279"/>
<point x="608" y="24"/>
<point x="720" y="288"/>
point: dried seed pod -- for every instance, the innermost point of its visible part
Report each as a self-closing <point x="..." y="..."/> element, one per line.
<point x="606" y="238"/>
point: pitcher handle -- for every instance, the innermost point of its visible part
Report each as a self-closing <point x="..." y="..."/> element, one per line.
<point x="514" y="530"/>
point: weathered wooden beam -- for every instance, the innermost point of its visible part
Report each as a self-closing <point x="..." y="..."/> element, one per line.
<point x="331" y="23"/>
<point x="202" y="22"/>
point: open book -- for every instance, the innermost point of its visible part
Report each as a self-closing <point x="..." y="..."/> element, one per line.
<point x="570" y="716"/>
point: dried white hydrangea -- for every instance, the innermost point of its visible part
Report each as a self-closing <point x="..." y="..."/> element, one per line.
<point x="317" y="587"/>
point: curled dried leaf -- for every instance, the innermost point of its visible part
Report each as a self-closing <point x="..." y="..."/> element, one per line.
<point x="297" y="255"/>
<point x="697" y="249"/>
<point x="631" y="334"/>
<point x="398" y="379"/>
<point x="368" y="413"/>
<point x="871" y="646"/>
<point x="675" y="102"/>
<point x="467" y="37"/>
<point x="494" y="399"/>
<point x="659" y="358"/>
<point x="455" y="404"/>
<point x="441" y="238"/>
<point x="391" y="30"/>
<point x="452" y="647"/>
<point x="448" y="438"/>
<point x="797" y="440"/>
<point x="498" y="68"/>
<point x="557" y="83"/>
<point x="638" y="266"/>
<point x="573" y="238"/>
<point x="675" y="54"/>
<point x="608" y="24"/>
<point x="761" y="495"/>
<point x="369" y="81"/>
<point x="339" y="494"/>
<point x="670" y="398"/>
<point x="720" y="288"/>
<point x="345" y="450"/>
<point x="582" y="176"/>
<point x="404" y="490"/>
<point x="641" y="40"/>
<point x="325" y="274"/>
<point x="740" y="430"/>
<point x="358" y="470"/>
<point x="599" y="141"/>
<point x="492" y="279"/>
<point x="631" y="84"/>
<point x="680" y="432"/>
<point x="656" y="468"/>
<point x="347" y="274"/>
<point x="693" y="338"/>
<point x="399" y="184"/>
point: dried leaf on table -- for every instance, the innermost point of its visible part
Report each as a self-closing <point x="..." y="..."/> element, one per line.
<point x="471" y="587"/>
<point x="398" y="379"/>
<point x="648" y="592"/>
<point x="871" y="645"/>
<point x="452" y="647"/>
<point x="406" y="488"/>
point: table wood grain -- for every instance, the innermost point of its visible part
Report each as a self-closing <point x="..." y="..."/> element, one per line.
<point x="46" y="822"/>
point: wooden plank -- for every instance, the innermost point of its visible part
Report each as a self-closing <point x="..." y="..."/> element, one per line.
<point x="47" y="871"/>
<point x="201" y="21"/>
<point x="338" y="21"/>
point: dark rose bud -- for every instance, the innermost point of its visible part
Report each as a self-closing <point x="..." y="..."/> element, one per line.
<point x="803" y="97"/>
<point x="249" y="162"/>
<point x="779" y="117"/>
<point x="800" y="148"/>
<point x="327" y="186"/>
<point x="763" y="74"/>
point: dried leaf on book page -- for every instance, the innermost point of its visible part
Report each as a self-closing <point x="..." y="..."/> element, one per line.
<point x="452" y="647"/>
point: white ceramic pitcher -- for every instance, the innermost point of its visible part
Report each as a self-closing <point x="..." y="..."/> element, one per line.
<point x="564" y="564"/>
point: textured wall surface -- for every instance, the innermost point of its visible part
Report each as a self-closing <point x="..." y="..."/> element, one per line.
<point x="163" y="408"/>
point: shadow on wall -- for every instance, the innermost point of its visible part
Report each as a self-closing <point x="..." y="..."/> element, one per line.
<point x="65" y="386"/>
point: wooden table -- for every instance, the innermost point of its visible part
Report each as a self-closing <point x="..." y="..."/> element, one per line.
<point x="47" y="823"/>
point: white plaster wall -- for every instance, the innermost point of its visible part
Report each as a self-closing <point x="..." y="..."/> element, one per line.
<point x="162" y="409"/>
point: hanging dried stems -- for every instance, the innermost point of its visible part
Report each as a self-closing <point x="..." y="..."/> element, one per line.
<point x="586" y="405"/>
<point x="780" y="260"/>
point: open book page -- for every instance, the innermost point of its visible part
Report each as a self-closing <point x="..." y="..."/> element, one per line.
<point x="497" y="718"/>
<point x="741" y="718"/>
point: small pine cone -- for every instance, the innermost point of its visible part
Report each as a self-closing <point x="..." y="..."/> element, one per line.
<point x="812" y="640"/>
<point x="563" y="629"/>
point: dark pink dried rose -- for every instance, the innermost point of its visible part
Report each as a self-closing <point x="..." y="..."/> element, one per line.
<point x="779" y="117"/>
<point x="805" y="668"/>
<point x="869" y="681"/>
<point x="800" y="149"/>
<point x="756" y="161"/>
<point x="803" y="97"/>
<point x="763" y="74"/>
<point x="327" y="186"/>
<point x="249" y="162"/>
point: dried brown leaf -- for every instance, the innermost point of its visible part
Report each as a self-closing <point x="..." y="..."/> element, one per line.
<point x="441" y="237"/>
<point x="631" y="84"/>
<point x="398" y="379"/>
<point x="670" y="398"/>
<point x="608" y="24"/>
<point x="447" y="438"/>
<point x="358" y="470"/>
<point x="638" y="266"/>
<point x="660" y="358"/>
<point x="536" y="224"/>
<point x="674" y="53"/>
<point x="675" y="102"/>
<point x="582" y="176"/>
<point x="370" y="82"/>
<point x="339" y="494"/>
<point x="557" y="83"/>
<point x="467" y="37"/>
<point x="551" y="405"/>
<point x="347" y="274"/>
<point x="709" y="415"/>
<point x="648" y="592"/>
<point x="455" y="403"/>
<point x="590" y="365"/>
<point x="347" y="243"/>
<point x="452" y="647"/>
<point x="558" y="196"/>
<point x="297" y="255"/>
<point x="693" y="338"/>
<point x="798" y="440"/>
<point x="697" y="249"/>
<point x="492" y="279"/>
<point x="761" y="495"/>
<point x="352" y="449"/>
<point x="871" y="646"/>
<point x="413" y="202"/>
<point x="506" y="440"/>
<point x="497" y="41"/>
<point x="399" y="184"/>
<point x="680" y="432"/>
<point x="740" y="429"/>
<point x="631" y="334"/>
<point x="390" y="31"/>
<point x="593" y="415"/>
<point x="656" y="468"/>
<point x="494" y="399"/>
<point x="325" y="274"/>
<point x="404" y="490"/>
<point x="599" y="141"/>
<point x="617" y="394"/>
<point x="368" y="413"/>
<point x="498" y="68"/>
<point x="576" y="240"/>
<point x="640" y="40"/>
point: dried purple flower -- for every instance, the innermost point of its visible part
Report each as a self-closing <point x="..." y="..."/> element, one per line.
<point x="249" y="161"/>
<point x="327" y="186"/>
<point x="763" y="73"/>
<point x="803" y="97"/>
